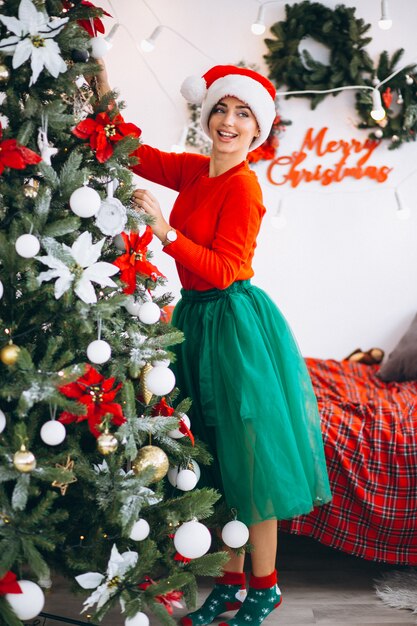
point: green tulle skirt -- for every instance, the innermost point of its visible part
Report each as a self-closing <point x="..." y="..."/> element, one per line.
<point x="253" y="403"/>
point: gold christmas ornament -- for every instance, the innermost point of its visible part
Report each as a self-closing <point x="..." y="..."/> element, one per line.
<point x="107" y="443"/>
<point x="30" y="190"/>
<point x="151" y="456"/>
<point x="9" y="353"/>
<point x="24" y="460"/>
<point x="146" y="394"/>
<point x="69" y="466"/>
<point x="4" y="73"/>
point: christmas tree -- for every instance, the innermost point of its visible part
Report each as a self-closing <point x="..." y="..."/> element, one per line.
<point x="97" y="460"/>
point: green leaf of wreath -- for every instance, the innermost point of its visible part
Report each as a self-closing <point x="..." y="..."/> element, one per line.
<point x="337" y="29"/>
<point x="400" y="124"/>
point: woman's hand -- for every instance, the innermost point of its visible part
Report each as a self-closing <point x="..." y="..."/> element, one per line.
<point x="143" y="200"/>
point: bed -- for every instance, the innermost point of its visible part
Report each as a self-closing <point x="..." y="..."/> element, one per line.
<point x="370" y="438"/>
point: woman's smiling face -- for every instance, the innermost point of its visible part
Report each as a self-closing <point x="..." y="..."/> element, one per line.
<point x="232" y="126"/>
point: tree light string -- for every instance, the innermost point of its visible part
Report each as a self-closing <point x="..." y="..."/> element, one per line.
<point x="373" y="88"/>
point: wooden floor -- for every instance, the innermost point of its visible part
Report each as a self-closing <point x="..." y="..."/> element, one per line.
<point x="319" y="585"/>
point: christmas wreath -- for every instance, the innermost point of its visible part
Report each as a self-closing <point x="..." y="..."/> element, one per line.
<point x="337" y="29"/>
<point x="399" y="98"/>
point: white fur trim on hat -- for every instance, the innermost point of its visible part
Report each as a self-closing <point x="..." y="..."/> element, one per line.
<point x="249" y="91"/>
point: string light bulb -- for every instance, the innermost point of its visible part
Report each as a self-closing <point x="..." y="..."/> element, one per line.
<point x="385" y="21"/>
<point x="258" y="27"/>
<point x="378" y="111"/>
<point x="403" y="212"/>
<point x="101" y="45"/>
<point x="148" y="44"/>
<point x="279" y="221"/>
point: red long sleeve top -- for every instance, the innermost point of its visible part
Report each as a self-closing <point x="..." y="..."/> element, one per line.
<point x="217" y="219"/>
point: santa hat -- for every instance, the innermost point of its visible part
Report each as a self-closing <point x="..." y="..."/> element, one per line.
<point x="227" y="80"/>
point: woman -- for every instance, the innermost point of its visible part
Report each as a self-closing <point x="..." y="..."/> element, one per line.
<point x="253" y="403"/>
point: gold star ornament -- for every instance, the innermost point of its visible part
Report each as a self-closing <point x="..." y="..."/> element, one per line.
<point x="68" y="467"/>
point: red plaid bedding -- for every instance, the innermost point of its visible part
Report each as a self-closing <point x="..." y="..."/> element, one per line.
<point x="370" y="437"/>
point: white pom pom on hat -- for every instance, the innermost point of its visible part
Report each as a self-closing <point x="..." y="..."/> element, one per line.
<point x="194" y="89"/>
<point x="228" y="80"/>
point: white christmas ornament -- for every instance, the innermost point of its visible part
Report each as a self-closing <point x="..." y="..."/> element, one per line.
<point x="1" y="290"/>
<point x="132" y="306"/>
<point x="98" y="351"/>
<point x="235" y="534"/>
<point x="99" y="47"/>
<point x="85" y="201"/>
<point x="140" y="619"/>
<point x="149" y="313"/>
<point x="378" y="133"/>
<point x="111" y="217"/>
<point x="33" y="34"/>
<point x="85" y="254"/>
<point x="140" y="530"/>
<point x="53" y="433"/>
<point x="2" y="421"/>
<point x="186" y="480"/>
<point x="45" y="148"/>
<point x="160" y="380"/>
<point x="192" y="540"/>
<point x="165" y="362"/>
<point x="173" y="472"/>
<point x="27" y="246"/>
<point x="29" y="603"/>
<point x="177" y="434"/>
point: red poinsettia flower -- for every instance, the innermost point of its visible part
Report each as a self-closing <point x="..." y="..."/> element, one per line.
<point x="134" y="261"/>
<point x="169" y="600"/>
<point x="9" y="584"/>
<point x="103" y="132"/>
<point x="13" y="155"/>
<point x="97" y="393"/>
<point x="163" y="409"/>
<point x="93" y="25"/>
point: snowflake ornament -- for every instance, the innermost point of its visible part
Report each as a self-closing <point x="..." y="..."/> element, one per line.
<point x="117" y="568"/>
<point x="81" y="267"/>
<point x="33" y="33"/>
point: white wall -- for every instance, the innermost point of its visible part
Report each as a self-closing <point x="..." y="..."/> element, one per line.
<point x="344" y="269"/>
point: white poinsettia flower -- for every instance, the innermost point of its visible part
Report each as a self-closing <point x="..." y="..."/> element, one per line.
<point x="117" y="567"/>
<point x="82" y="269"/>
<point x="33" y="34"/>
<point x="58" y="270"/>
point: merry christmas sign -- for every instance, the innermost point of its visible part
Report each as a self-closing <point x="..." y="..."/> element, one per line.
<point x="327" y="161"/>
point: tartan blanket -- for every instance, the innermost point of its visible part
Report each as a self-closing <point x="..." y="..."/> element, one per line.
<point x="370" y="438"/>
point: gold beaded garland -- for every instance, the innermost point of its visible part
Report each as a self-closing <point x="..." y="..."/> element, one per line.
<point x="9" y="353"/>
<point x="107" y="443"/>
<point x="151" y="457"/>
<point x="24" y="460"/>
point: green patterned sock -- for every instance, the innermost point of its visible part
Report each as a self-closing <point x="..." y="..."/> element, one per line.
<point x="227" y="595"/>
<point x="263" y="597"/>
